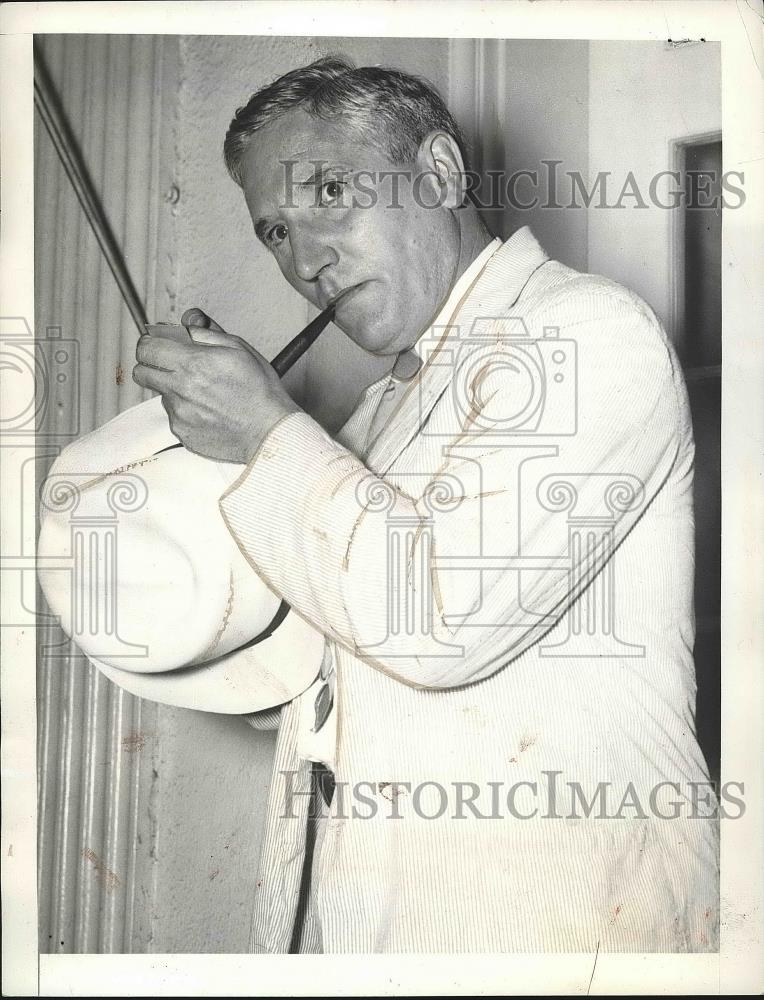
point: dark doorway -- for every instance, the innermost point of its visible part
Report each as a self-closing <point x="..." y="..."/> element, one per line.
<point x="699" y="340"/>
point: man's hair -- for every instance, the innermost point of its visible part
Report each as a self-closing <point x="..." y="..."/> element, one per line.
<point x="382" y="107"/>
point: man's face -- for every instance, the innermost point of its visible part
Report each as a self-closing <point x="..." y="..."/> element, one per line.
<point x="328" y="216"/>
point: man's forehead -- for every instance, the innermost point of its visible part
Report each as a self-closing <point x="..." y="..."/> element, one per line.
<point x="290" y="149"/>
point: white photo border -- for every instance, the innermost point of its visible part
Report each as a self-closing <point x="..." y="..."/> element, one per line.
<point x="737" y="24"/>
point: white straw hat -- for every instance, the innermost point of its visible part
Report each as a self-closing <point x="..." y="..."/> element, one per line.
<point x="136" y="560"/>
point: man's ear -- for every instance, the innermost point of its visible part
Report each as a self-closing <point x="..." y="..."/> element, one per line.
<point x="441" y="167"/>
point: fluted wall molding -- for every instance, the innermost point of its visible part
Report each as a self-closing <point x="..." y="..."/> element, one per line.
<point x="478" y="100"/>
<point x="96" y="744"/>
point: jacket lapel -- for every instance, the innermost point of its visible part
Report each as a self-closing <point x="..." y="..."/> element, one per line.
<point x="493" y="292"/>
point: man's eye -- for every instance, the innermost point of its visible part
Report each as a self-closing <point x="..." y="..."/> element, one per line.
<point x="277" y="234"/>
<point x="331" y="191"/>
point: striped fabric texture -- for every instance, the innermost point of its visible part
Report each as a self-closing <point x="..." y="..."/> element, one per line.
<point x="505" y="580"/>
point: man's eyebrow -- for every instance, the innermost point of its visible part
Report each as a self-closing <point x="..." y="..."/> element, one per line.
<point x="335" y="169"/>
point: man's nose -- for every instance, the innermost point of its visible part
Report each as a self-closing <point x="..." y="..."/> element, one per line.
<point x="311" y="252"/>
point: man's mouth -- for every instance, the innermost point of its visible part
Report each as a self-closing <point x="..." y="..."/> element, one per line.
<point x="341" y="297"/>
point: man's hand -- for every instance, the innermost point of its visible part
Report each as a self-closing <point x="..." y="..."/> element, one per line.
<point x="221" y="395"/>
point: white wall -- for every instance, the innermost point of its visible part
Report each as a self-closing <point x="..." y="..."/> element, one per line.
<point x="642" y="97"/>
<point x="212" y="780"/>
<point x="543" y="117"/>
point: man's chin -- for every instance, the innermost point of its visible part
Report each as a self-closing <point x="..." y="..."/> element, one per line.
<point x="381" y="343"/>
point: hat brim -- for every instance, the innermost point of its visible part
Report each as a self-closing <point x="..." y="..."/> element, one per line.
<point x="252" y="679"/>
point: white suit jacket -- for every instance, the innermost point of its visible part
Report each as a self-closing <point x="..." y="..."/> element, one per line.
<point x="505" y="583"/>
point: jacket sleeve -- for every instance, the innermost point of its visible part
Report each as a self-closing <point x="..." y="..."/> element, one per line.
<point x="316" y="523"/>
<point x="266" y="721"/>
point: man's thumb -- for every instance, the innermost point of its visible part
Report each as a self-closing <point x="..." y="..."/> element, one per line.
<point x="204" y="330"/>
<point x="216" y="338"/>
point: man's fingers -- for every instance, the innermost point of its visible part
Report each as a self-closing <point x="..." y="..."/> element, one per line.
<point x="153" y="378"/>
<point x="160" y="352"/>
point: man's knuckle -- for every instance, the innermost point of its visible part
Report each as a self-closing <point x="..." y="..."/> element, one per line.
<point x="182" y="382"/>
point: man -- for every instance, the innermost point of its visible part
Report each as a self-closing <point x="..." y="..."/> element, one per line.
<point x="498" y="547"/>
